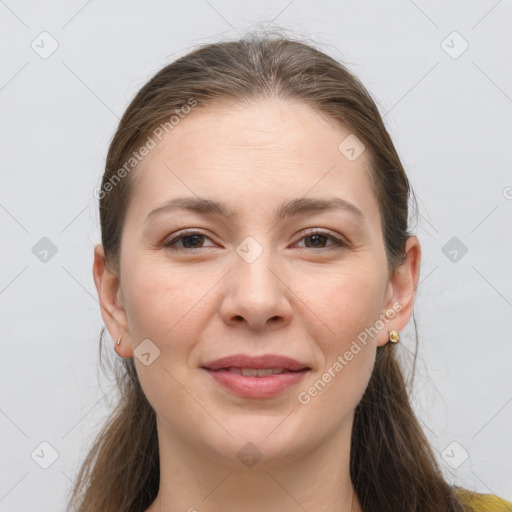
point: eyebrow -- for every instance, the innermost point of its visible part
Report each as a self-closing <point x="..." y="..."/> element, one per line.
<point x="287" y="209"/>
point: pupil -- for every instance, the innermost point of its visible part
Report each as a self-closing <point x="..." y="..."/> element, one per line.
<point x="315" y="237"/>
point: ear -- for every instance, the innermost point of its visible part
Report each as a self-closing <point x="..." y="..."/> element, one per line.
<point x="111" y="302"/>
<point x="402" y="291"/>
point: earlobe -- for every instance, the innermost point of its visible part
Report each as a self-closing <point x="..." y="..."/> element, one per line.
<point x="123" y="350"/>
<point x="108" y="289"/>
<point x="403" y="284"/>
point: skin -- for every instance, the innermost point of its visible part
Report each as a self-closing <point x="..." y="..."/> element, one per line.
<point x="299" y="299"/>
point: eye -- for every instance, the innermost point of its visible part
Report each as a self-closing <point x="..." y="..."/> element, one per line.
<point x="195" y="239"/>
<point x="189" y="240"/>
<point x="317" y="238"/>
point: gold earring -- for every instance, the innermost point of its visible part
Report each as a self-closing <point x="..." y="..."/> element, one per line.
<point x="394" y="337"/>
<point x="118" y="342"/>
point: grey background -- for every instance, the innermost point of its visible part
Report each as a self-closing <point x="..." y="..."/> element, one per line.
<point x="449" y="114"/>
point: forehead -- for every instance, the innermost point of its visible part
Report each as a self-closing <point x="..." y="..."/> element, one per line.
<point x="261" y="128"/>
<point x="253" y="154"/>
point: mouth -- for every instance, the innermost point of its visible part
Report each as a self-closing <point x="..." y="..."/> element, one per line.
<point x="257" y="372"/>
<point x="256" y="376"/>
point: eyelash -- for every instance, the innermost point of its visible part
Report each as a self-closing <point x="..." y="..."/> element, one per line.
<point x="308" y="233"/>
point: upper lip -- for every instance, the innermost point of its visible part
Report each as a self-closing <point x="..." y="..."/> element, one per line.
<point x="262" y="361"/>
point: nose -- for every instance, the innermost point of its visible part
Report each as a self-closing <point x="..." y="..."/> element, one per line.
<point x="257" y="295"/>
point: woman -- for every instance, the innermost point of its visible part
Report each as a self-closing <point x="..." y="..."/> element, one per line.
<point x="255" y="270"/>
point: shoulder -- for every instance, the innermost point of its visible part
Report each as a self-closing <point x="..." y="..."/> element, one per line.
<point x="476" y="502"/>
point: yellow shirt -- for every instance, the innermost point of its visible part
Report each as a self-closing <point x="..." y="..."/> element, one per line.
<point x="475" y="502"/>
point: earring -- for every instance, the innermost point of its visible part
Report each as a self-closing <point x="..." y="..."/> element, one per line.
<point x="118" y="342"/>
<point x="394" y="337"/>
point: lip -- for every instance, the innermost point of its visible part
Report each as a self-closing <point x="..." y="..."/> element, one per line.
<point x="257" y="387"/>
<point x="261" y="361"/>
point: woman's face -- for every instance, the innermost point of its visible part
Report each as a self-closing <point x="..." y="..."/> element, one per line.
<point x="254" y="282"/>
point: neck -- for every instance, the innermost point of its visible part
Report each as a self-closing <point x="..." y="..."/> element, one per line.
<point x="196" y="479"/>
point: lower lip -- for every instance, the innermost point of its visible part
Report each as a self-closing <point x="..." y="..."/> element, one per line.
<point x="257" y="387"/>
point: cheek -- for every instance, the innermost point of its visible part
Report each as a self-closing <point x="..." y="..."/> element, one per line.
<point x="164" y="307"/>
<point x="342" y="308"/>
<point x="347" y="300"/>
<point x="157" y="300"/>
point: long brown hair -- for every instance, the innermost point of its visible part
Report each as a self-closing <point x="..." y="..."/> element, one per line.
<point x="392" y="465"/>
